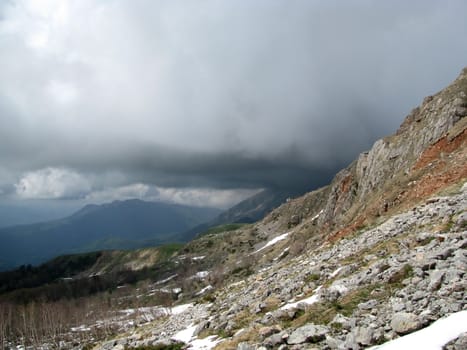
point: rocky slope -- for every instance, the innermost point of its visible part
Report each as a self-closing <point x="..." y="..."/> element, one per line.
<point x="377" y="285"/>
<point x="379" y="253"/>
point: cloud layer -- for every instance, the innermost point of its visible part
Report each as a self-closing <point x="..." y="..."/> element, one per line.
<point x="209" y="97"/>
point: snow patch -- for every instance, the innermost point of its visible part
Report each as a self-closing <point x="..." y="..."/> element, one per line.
<point x="186" y="336"/>
<point x="433" y="337"/>
<point x="167" y="279"/>
<point x="281" y="255"/>
<point x="179" y="309"/>
<point x="81" y="328"/>
<point x="198" y="257"/>
<point x="317" y="215"/>
<point x="310" y="300"/>
<point x="200" y="274"/>
<point x="334" y="273"/>
<point x="204" y="290"/>
<point x="204" y="344"/>
<point x="273" y="241"/>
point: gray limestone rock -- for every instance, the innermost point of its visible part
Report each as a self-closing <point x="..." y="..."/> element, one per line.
<point x="308" y="334"/>
<point x="275" y="339"/>
<point x="436" y="278"/>
<point x="245" y="346"/>
<point x="457" y="344"/>
<point x="404" y="322"/>
<point x="364" y="335"/>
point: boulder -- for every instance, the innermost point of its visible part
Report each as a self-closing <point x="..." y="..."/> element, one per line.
<point x="364" y="335"/>
<point x="404" y="322"/>
<point x="308" y="334"/>
<point x="436" y="279"/>
<point x="276" y="339"/>
<point x="245" y="346"/>
<point x="267" y="331"/>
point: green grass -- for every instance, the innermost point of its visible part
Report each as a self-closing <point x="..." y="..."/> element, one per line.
<point x="167" y="250"/>
<point x="174" y="346"/>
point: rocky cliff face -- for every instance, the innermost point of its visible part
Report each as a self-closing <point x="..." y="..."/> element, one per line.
<point x="426" y="154"/>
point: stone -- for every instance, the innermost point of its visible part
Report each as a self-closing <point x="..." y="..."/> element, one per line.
<point x="404" y="323"/>
<point x="369" y="305"/>
<point x="108" y="345"/>
<point x="364" y="335"/>
<point x="267" y="331"/>
<point x="245" y="346"/>
<point x="436" y="279"/>
<point x="418" y="295"/>
<point x="201" y="326"/>
<point x="344" y="322"/>
<point x="294" y="220"/>
<point x="275" y="339"/>
<point x="459" y="343"/>
<point x="308" y="334"/>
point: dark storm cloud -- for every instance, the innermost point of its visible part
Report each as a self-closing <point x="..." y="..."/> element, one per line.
<point x="212" y="94"/>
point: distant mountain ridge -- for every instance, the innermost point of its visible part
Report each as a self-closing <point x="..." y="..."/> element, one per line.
<point x="247" y="211"/>
<point x="118" y="225"/>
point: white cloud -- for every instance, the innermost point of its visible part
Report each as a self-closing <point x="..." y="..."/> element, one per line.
<point x="204" y="197"/>
<point x="61" y="92"/>
<point x="52" y="183"/>
<point x="201" y="197"/>
<point x="138" y="190"/>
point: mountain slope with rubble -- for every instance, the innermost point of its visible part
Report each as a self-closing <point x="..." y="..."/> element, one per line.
<point x="375" y="257"/>
<point x="377" y="254"/>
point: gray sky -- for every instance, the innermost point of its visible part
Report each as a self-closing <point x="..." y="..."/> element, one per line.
<point x="204" y="102"/>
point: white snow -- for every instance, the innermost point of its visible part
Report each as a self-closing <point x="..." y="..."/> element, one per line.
<point x="81" y="328"/>
<point x="186" y="336"/>
<point x="198" y="257"/>
<point x="334" y="273"/>
<point x="317" y="215"/>
<point x="204" y="290"/>
<point x="273" y="241"/>
<point x="281" y="254"/>
<point x="433" y="337"/>
<point x="204" y="344"/>
<point x="310" y="300"/>
<point x="201" y="274"/>
<point x="167" y="279"/>
<point x="180" y="309"/>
